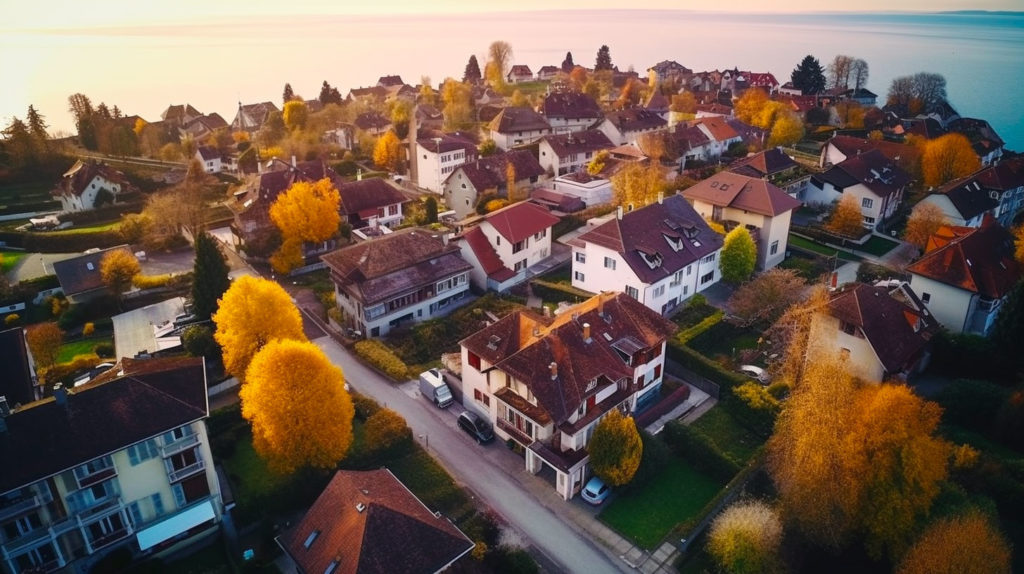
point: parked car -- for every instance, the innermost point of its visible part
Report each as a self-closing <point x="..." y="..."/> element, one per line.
<point x="476" y="426"/>
<point x="756" y="373"/>
<point x="433" y="387"/>
<point x="596" y="491"/>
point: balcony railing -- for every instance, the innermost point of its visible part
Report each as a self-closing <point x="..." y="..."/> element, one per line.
<point x="181" y="473"/>
<point x="987" y="305"/>
<point x="96" y="477"/>
<point x="108" y="539"/>
<point x="179" y="445"/>
<point x="516" y="434"/>
<point x="100" y="509"/>
<point x="20" y="507"/>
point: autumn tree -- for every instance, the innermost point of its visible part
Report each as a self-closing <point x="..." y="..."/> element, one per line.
<point x="458" y="104"/>
<point x="786" y="130"/>
<point x="597" y="163"/>
<point x="859" y="73"/>
<point x="839" y="70"/>
<point x="510" y="181"/>
<point x="288" y="94"/>
<point x="846" y="218"/>
<point x="850" y="113"/>
<point x="117" y="269"/>
<point x="684" y="103"/>
<point x="209" y="276"/>
<point x="1018" y="241"/>
<point x="739" y="256"/>
<point x="924" y="221"/>
<point x="384" y="430"/>
<point x="745" y="538"/>
<point x="968" y="544"/>
<point x="765" y="298"/>
<point x="401" y="113"/>
<point x="472" y="74"/>
<point x="795" y="334"/>
<point x="750" y="104"/>
<point x="808" y="76"/>
<point x="295" y="115"/>
<point x="637" y="185"/>
<point x="300" y="416"/>
<point x="917" y="93"/>
<point x="305" y="212"/>
<point x="387" y="152"/>
<point x="252" y="313"/>
<point x="946" y="158"/>
<point x="615" y="449"/>
<point x="44" y="340"/>
<point x="604" y="60"/>
<point x="499" y="58"/>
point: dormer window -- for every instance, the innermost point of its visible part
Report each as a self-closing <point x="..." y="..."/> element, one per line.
<point x="592" y="384"/>
<point x="651" y="258"/>
<point x="493" y="342"/>
<point x="674" y="241"/>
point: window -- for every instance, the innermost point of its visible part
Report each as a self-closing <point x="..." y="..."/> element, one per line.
<point x="136" y="514"/>
<point x="519" y="246"/>
<point x="609" y="263"/>
<point x="632" y="292"/>
<point x="158" y="504"/>
<point x="520" y="265"/>
<point x="138" y="453"/>
<point x="677" y="278"/>
<point x="581" y="257"/>
<point x="657" y="372"/>
<point x="926" y="298"/>
<point x="482" y="398"/>
<point x="474" y="360"/>
<point x="540" y="234"/>
<point x="867" y="202"/>
<point x="577" y="276"/>
<point x="774" y="248"/>
<point x="707" y="277"/>
<point x="659" y="291"/>
<point x="869" y="220"/>
<point x="392" y="210"/>
<point x="689" y="270"/>
<point x="177" y="434"/>
<point x="708" y="258"/>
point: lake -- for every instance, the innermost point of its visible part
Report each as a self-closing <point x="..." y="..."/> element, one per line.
<point x="215" y="64"/>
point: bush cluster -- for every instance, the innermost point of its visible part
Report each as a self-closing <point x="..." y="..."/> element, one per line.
<point x="61" y="242"/>
<point x="686" y="335"/>
<point x="381" y="357"/>
<point x="144" y="282"/>
<point x="692" y="447"/>
<point x="64" y="372"/>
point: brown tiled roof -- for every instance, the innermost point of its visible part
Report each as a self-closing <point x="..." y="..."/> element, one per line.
<point x="968" y="196"/>
<point x="726" y="189"/>
<point x="980" y="133"/>
<point x="390" y="81"/>
<point x="871" y="169"/>
<point x="897" y="152"/>
<point x="897" y="332"/>
<point x="976" y="260"/>
<point x="256" y="201"/>
<point x="520" y="70"/>
<point x="520" y="220"/>
<point x="634" y="119"/>
<point x="657" y="102"/>
<point x="178" y="113"/>
<point x="571" y="105"/>
<point x="768" y="162"/>
<point x="371" y="120"/>
<point x="649" y="229"/>
<point x="82" y="273"/>
<point x="489" y="260"/>
<point x="719" y="128"/>
<point x="524" y="345"/>
<point x="367" y="522"/>
<point x="578" y="142"/>
<point x="395" y="263"/>
<point x="448" y="142"/>
<point x="518" y="119"/>
<point x="151" y="397"/>
<point x="359" y="197"/>
<point x="489" y="172"/>
<point x="378" y="92"/>
<point x="561" y="201"/>
<point x="78" y="177"/>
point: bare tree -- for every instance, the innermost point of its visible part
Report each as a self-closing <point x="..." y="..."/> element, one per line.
<point x="859" y="73"/>
<point x="839" y="71"/>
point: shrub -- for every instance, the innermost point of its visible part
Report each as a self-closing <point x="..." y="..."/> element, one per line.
<point x="871" y="272"/>
<point x="199" y="342"/>
<point x="105" y="350"/>
<point x="386" y="430"/>
<point x="381" y="357"/>
<point x="144" y="282"/>
<point x="511" y="560"/>
<point x="972" y="404"/>
<point x="12" y="319"/>
<point x="656" y="456"/>
<point x="88" y="329"/>
<point x="66" y="371"/>
<point x="365" y="407"/>
<point x="705" y="324"/>
<point x="704" y="456"/>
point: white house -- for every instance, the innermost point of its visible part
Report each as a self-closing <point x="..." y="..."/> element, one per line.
<point x="516" y="126"/>
<point x="592" y="190"/>
<point x="210" y="158"/>
<point x="560" y="154"/>
<point x="660" y="255"/>
<point x="462" y="188"/>
<point x="720" y="134"/>
<point x="518" y="74"/>
<point x="437" y="157"/>
<point x="506" y="244"/>
<point x="546" y="383"/>
<point x="965" y="276"/>
<point x="567" y="111"/>
<point x="88" y="184"/>
<point x="626" y="126"/>
<point x="371" y="202"/>
<point x="995" y="190"/>
<point x="733" y="199"/>
<point x="873" y="179"/>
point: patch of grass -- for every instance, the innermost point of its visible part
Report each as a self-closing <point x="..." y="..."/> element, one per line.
<point x="427" y="480"/>
<point x="109" y="226"/>
<point x="800" y="242"/>
<point x="731" y="438"/>
<point x="723" y="339"/>
<point x="692" y="314"/>
<point x="72" y="349"/>
<point x="11" y="259"/>
<point x="251" y="478"/>
<point x="647" y="515"/>
<point x="878" y="246"/>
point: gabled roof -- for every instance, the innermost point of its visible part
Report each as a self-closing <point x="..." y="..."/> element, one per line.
<point x="980" y="133"/>
<point x="485" y="253"/>
<point x="578" y="142"/>
<point x="570" y="105"/>
<point x="554" y="200"/>
<point x="358" y="197"/>
<point x="78" y="177"/>
<point x="717" y="128"/>
<point x="490" y="172"/>
<point x="82" y="273"/>
<point x="520" y="220"/>
<point x="851" y="146"/>
<point x="977" y="260"/>
<point x="132" y="402"/>
<point x="969" y="196"/>
<point x="208" y="153"/>
<point x="520" y="70"/>
<point x="378" y="92"/>
<point x="657" y="102"/>
<point x="872" y="169"/>
<point x="898" y="331"/>
<point x="386" y="81"/>
<point x="669" y="67"/>
<point x="257" y="112"/>
<point x="447" y="142"/>
<point x="726" y="189"/>
<point x="525" y="345"/>
<point x="635" y="119"/>
<point x="518" y="119"/>
<point x="671" y="233"/>
<point x="768" y="162"/>
<point x="368" y="522"/>
<point x="179" y="113"/>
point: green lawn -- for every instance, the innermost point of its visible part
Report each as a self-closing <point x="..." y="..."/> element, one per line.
<point x="10" y="259"/>
<point x="72" y="349"/>
<point x="428" y="481"/>
<point x="722" y="430"/>
<point x="797" y="241"/>
<point x="646" y="515"/>
<point x="111" y="226"/>
<point x="251" y="479"/>
<point x="723" y="339"/>
<point x="878" y="246"/>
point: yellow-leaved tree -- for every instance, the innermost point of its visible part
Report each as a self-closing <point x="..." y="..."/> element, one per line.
<point x="637" y="185"/>
<point x="745" y="538"/>
<point x="749" y="106"/>
<point x="300" y="416"/>
<point x="1018" y="241"/>
<point x="305" y="212"/>
<point x="252" y="313"/>
<point x="387" y="152"/>
<point x="615" y="449"/>
<point x="386" y="429"/>
<point x="923" y="222"/>
<point x="44" y="340"/>
<point x="739" y="256"/>
<point x="117" y="269"/>
<point x="846" y="218"/>
<point x="968" y="544"/>
<point x="946" y="158"/>
<point x="787" y="129"/>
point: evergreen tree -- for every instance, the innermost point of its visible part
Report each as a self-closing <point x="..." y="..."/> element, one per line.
<point x="809" y="76"/>
<point x="430" y="207"/>
<point x="604" y="60"/>
<point x="329" y="95"/>
<point x="1009" y="328"/>
<point x="567" y="64"/>
<point x="288" y="94"/>
<point x="472" y="73"/>
<point x="37" y="125"/>
<point x="81" y="108"/>
<point x="210" y="276"/>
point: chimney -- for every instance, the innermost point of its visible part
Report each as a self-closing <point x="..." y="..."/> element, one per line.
<point x="553" y="367"/>
<point x="600" y="304"/>
<point x="661" y="197"/>
<point x="60" y="394"/>
<point x="293" y="161"/>
<point x="586" y="332"/>
<point x="618" y="212"/>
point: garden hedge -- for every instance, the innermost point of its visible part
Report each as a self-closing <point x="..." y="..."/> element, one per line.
<point x="381" y="357"/>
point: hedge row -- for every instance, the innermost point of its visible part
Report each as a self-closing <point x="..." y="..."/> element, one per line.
<point x="65" y="371"/>
<point x="61" y="242"/>
<point x="557" y="291"/>
<point x="692" y="447"/>
<point x="686" y="335"/>
<point x="151" y="281"/>
<point x="381" y="357"/>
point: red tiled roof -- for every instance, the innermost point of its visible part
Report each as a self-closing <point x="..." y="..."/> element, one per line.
<point x="578" y="142"/>
<point x="571" y="105"/>
<point x="719" y="128"/>
<point x="518" y="118"/>
<point x="768" y="162"/>
<point x="520" y="220"/>
<point x="486" y="255"/>
<point x="726" y="189"/>
<point x="976" y="260"/>
<point x="78" y="177"/>
<point x="368" y="194"/>
<point x="851" y="146"/>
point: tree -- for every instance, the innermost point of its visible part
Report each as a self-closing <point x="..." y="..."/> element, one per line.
<point x="472" y="75"/>
<point x="839" y="71"/>
<point x="18" y="144"/>
<point x="786" y="130"/>
<point x="510" y="181"/>
<point x="198" y="341"/>
<point x="859" y="73"/>
<point x="924" y="221"/>
<point x="968" y="544"/>
<point x="567" y="63"/>
<point x="604" y="60"/>
<point x="739" y="256"/>
<point x="846" y="218"/>
<point x="44" y="340"/>
<point x="37" y="128"/>
<point x="288" y="95"/>
<point x="308" y="211"/>
<point x="917" y="93"/>
<point x="387" y="152"/>
<point x="598" y="162"/>
<point x="684" y="103"/>
<point x="808" y="76"/>
<point x="745" y="538"/>
<point x="615" y="449"/>
<point x="430" y="209"/>
<point x="767" y="296"/>
<point x="117" y="269"/>
<point x="295" y="115"/>
<point x="851" y="114"/>
<point x="81" y="109"/>
<point x="487" y="147"/>
<point x="750" y="105"/>
<point x="400" y="114"/>
<point x="499" y="58"/>
<point x="795" y="334"/>
<point x="1018" y="240"/>
<point x="300" y="416"/>
<point x="209" y="277"/>
<point x="384" y="430"/>
<point x="272" y="130"/>
<point x="329" y="95"/>
<point x="637" y="185"/>
<point x="252" y="313"/>
<point x="946" y="158"/>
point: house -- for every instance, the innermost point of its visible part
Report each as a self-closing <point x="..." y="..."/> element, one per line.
<point x="369" y="522"/>
<point x="668" y="71"/>
<point x="660" y="255"/>
<point x="19" y="384"/>
<point x="874" y="180"/>
<point x="372" y="123"/>
<point x="210" y="158"/>
<point x="763" y="80"/>
<point x="250" y="117"/>
<point x="389" y="81"/>
<point x="370" y="95"/>
<point x="984" y="139"/>
<point x="685" y="144"/>
<point x="518" y="74"/>
<point x="658" y="103"/>
<point x="437" y="157"/>
<point x="884" y="333"/>
<point x="569" y="111"/>
<point x="996" y="190"/>
<point x="201" y="128"/>
<point x="840" y="147"/>
<point x="966" y="274"/>
<point x="410" y="275"/>
<point x="560" y="154"/>
<point x="720" y="133"/>
<point x="713" y="109"/>
<point x="371" y="203"/>
<point x="89" y="184"/>
<point x="590" y="189"/>
<point x="342" y="135"/>
<point x="517" y="125"/>
<point x="557" y="202"/>
<point x="775" y="166"/>
<point x="148" y="330"/>
<point x="180" y="115"/>
<point x="464" y="186"/>
<point x="506" y="244"/>
<point x="548" y="73"/>
<point x="626" y="126"/>
<point x="80" y="276"/>
<point x="546" y="383"/>
<point x="862" y="96"/>
<point x="765" y="210"/>
<point x="123" y="461"/>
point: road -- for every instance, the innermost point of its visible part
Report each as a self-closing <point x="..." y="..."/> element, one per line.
<point x="477" y="467"/>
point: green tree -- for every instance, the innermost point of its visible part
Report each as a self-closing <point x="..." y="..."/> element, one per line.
<point x="288" y="94"/>
<point x="198" y="341"/>
<point x="615" y="449"/>
<point x="604" y="59"/>
<point x="209" y="277"/>
<point x="472" y="73"/>
<point x="567" y="63"/>
<point x="739" y="256"/>
<point x="1009" y="328"/>
<point x="808" y="76"/>
<point x="81" y="109"/>
<point x="37" y="127"/>
<point x="273" y="130"/>
<point x="430" y="207"/>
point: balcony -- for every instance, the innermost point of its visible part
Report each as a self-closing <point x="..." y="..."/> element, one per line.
<point x="102" y="508"/>
<point x="20" y="507"/>
<point x="108" y="539"/>
<point x="28" y="540"/>
<point x="174" y="475"/>
<point x="516" y="434"/>
<point x="180" y="445"/>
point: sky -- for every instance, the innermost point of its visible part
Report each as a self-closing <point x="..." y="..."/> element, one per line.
<point x="22" y="14"/>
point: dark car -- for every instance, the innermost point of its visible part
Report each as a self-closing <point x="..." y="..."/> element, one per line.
<point x="476" y="426"/>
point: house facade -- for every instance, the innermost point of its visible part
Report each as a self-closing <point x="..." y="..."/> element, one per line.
<point x="518" y="74"/>
<point x="506" y="244"/>
<point x="996" y="191"/>
<point x="568" y="111"/>
<point x="661" y="255"/>
<point x="371" y="203"/>
<point x="720" y="134"/>
<point x="210" y="158"/>
<point x="561" y="154"/>
<point x="88" y="184"/>
<point x="626" y="126"/>
<point x="874" y="180"/>
<point x="250" y="117"/>
<point x="765" y="210"/>
<point x="80" y="276"/>
<point x="464" y="185"/>
<point x="437" y="157"/>
<point x="123" y="461"/>
<point x="546" y="383"/>
<point x="408" y="276"/>
<point x="516" y="126"/>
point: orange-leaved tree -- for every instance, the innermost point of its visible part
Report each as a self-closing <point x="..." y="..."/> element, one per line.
<point x="924" y="221"/>
<point x="117" y="269"/>
<point x="306" y="212"/>
<point x="1018" y="240"/>
<point x="846" y="217"/>
<point x="387" y="152"/>
<point x="44" y="340"/>
<point x="968" y="544"/>
<point x="615" y="449"/>
<point x="300" y="416"/>
<point x="946" y="158"/>
<point x="252" y="313"/>
<point x="386" y="429"/>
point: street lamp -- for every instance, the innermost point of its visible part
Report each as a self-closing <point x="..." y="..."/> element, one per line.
<point x="426" y="440"/>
